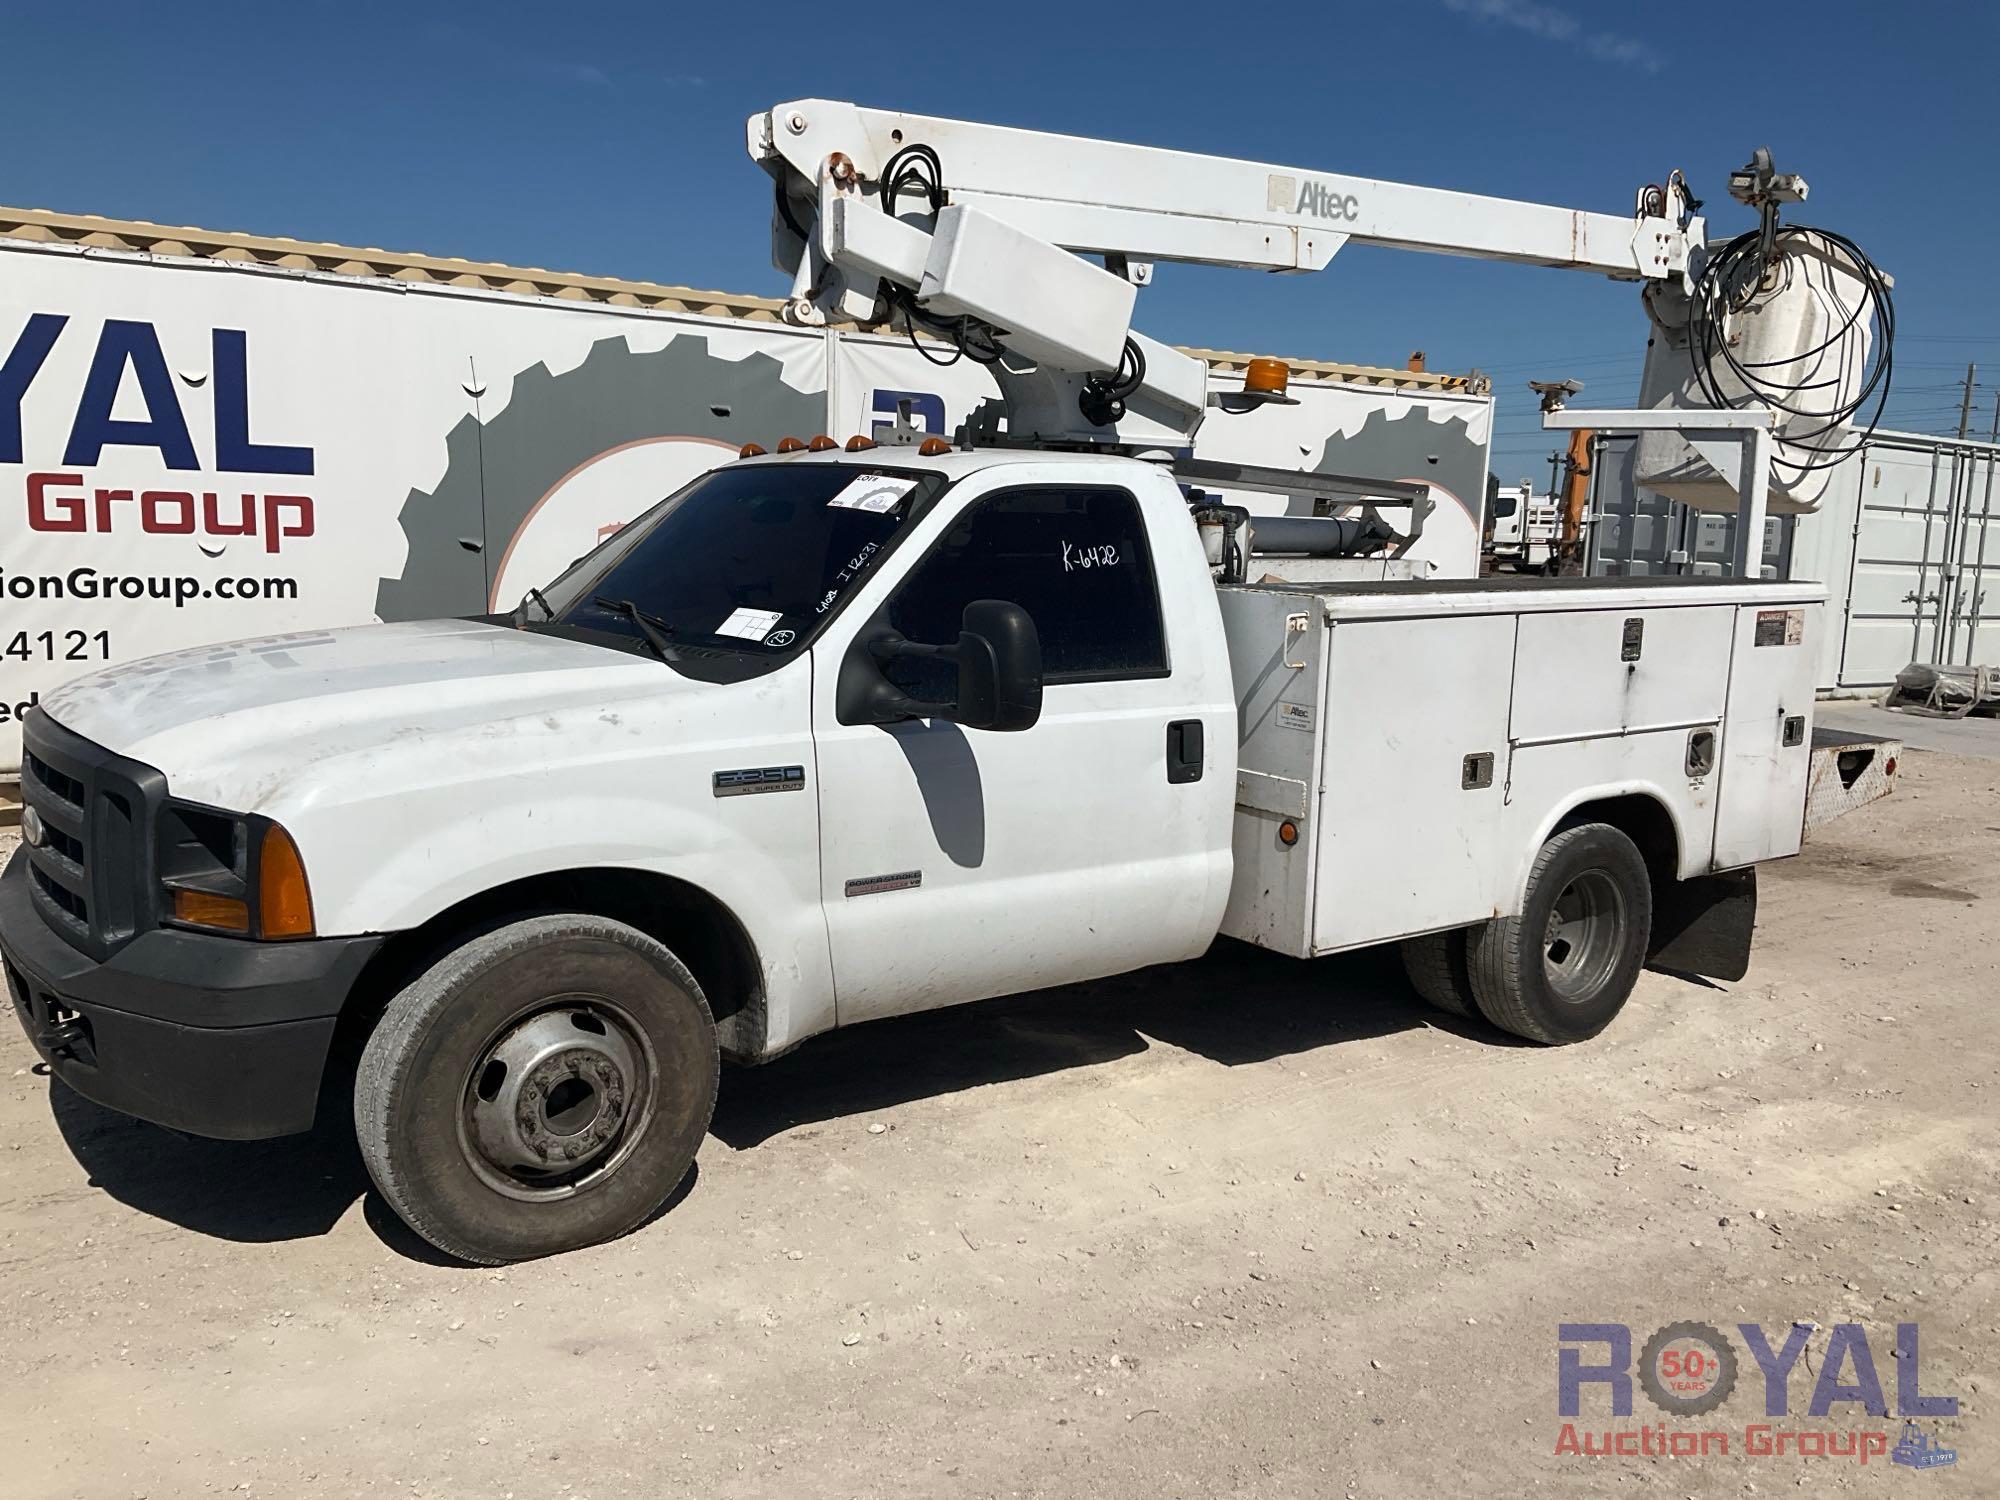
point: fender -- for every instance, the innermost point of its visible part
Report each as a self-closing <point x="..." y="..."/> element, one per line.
<point x="458" y="843"/>
<point x="1690" y="845"/>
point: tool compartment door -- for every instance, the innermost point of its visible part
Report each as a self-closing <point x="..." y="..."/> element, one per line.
<point x="1767" y="734"/>
<point x="1408" y="841"/>
<point x="1588" y="672"/>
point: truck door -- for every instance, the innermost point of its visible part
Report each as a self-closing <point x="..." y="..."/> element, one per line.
<point x="957" y="864"/>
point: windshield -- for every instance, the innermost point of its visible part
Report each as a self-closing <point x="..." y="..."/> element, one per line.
<point x="751" y="558"/>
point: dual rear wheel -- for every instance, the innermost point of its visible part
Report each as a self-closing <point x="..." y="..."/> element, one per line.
<point x="1565" y="966"/>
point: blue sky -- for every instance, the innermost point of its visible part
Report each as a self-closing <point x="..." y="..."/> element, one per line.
<point x="609" y="139"/>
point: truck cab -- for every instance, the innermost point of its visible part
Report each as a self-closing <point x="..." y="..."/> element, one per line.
<point x="741" y="758"/>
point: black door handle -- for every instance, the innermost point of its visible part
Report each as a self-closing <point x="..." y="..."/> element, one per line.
<point x="1183" y="751"/>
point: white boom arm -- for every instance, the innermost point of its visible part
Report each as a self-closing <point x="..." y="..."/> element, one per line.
<point x="1019" y="202"/>
<point x="1108" y="198"/>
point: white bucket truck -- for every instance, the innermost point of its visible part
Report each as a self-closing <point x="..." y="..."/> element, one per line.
<point x="844" y="732"/>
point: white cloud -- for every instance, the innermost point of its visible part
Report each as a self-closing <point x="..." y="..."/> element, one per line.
<point x="1559" y="26"/>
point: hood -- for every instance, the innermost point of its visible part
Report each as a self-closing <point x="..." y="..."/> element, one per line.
<point x="230" y="724"/>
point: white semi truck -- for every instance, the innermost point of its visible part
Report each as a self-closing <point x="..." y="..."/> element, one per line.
<point x="855" y="730"/>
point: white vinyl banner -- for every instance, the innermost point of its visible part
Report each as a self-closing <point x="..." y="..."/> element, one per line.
<point x="197" y="451"/>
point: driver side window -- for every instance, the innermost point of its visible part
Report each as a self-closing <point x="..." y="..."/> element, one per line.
<point x="1075" y="559"/>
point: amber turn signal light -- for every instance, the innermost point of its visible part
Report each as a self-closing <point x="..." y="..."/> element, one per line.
<point x="201" y="909"/>
<point x="284" y="902"/>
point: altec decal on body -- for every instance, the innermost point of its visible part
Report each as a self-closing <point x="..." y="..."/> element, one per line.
<point x="65" y="499"/>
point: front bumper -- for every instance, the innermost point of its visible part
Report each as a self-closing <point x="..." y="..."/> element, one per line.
<point x="214" y="1036"/>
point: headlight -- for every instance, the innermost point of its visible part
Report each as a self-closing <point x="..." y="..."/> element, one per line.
<point x="224" y="873"/>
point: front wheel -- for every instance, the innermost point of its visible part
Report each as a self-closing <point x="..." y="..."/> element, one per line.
<point x="541" y="1088"/>
<point x="1566" y="965"/>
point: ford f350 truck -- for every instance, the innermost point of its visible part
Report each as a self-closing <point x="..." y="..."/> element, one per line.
<point x="831" y="737"/>
<point x="843" y="733"/>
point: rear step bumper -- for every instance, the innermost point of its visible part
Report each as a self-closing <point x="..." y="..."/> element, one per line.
<point x="1849" y="770"/>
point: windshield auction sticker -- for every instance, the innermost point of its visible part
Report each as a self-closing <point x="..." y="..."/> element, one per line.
<point x="749" y="624"/>
<point x="876" y="492"/>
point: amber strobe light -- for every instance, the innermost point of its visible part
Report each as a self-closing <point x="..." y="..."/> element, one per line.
<point x="1267" y="377"/>
<point x="284" y="904"/>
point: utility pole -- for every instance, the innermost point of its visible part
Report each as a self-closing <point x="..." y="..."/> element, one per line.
<point x="1965" y="406"/>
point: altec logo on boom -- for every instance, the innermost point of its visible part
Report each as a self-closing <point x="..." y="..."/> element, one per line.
<point x="1284" y="193"/>
<point x="65" y="500"/>
<point x="1689" y="1369"/>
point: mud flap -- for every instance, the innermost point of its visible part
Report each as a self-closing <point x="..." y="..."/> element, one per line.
<point x="1703" y="926"/>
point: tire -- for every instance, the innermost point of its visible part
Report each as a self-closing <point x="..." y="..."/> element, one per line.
<point x="1436" y="965"/>
<point x="541" y="1088"/>
<point x="1562" y="969"/>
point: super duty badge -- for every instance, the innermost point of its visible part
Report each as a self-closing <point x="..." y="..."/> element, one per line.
<point x="757" y="779"/>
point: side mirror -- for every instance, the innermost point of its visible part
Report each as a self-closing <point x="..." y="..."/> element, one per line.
<point x="999" y="668"/>
<point x="998" y="656"/>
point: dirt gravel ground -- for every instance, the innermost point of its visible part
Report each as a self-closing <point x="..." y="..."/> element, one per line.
<point x="1243" y="1227"/>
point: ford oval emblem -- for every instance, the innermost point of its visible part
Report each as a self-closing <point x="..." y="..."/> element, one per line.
<point x="32" y="830"/>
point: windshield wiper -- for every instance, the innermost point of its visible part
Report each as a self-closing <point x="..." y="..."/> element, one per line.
<point x="536" y="596"/>
<point x="654" y="630"/>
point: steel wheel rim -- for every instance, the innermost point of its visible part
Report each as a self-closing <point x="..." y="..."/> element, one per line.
<point x="1584" y="937"/>
<point x="558" y="1098"/>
